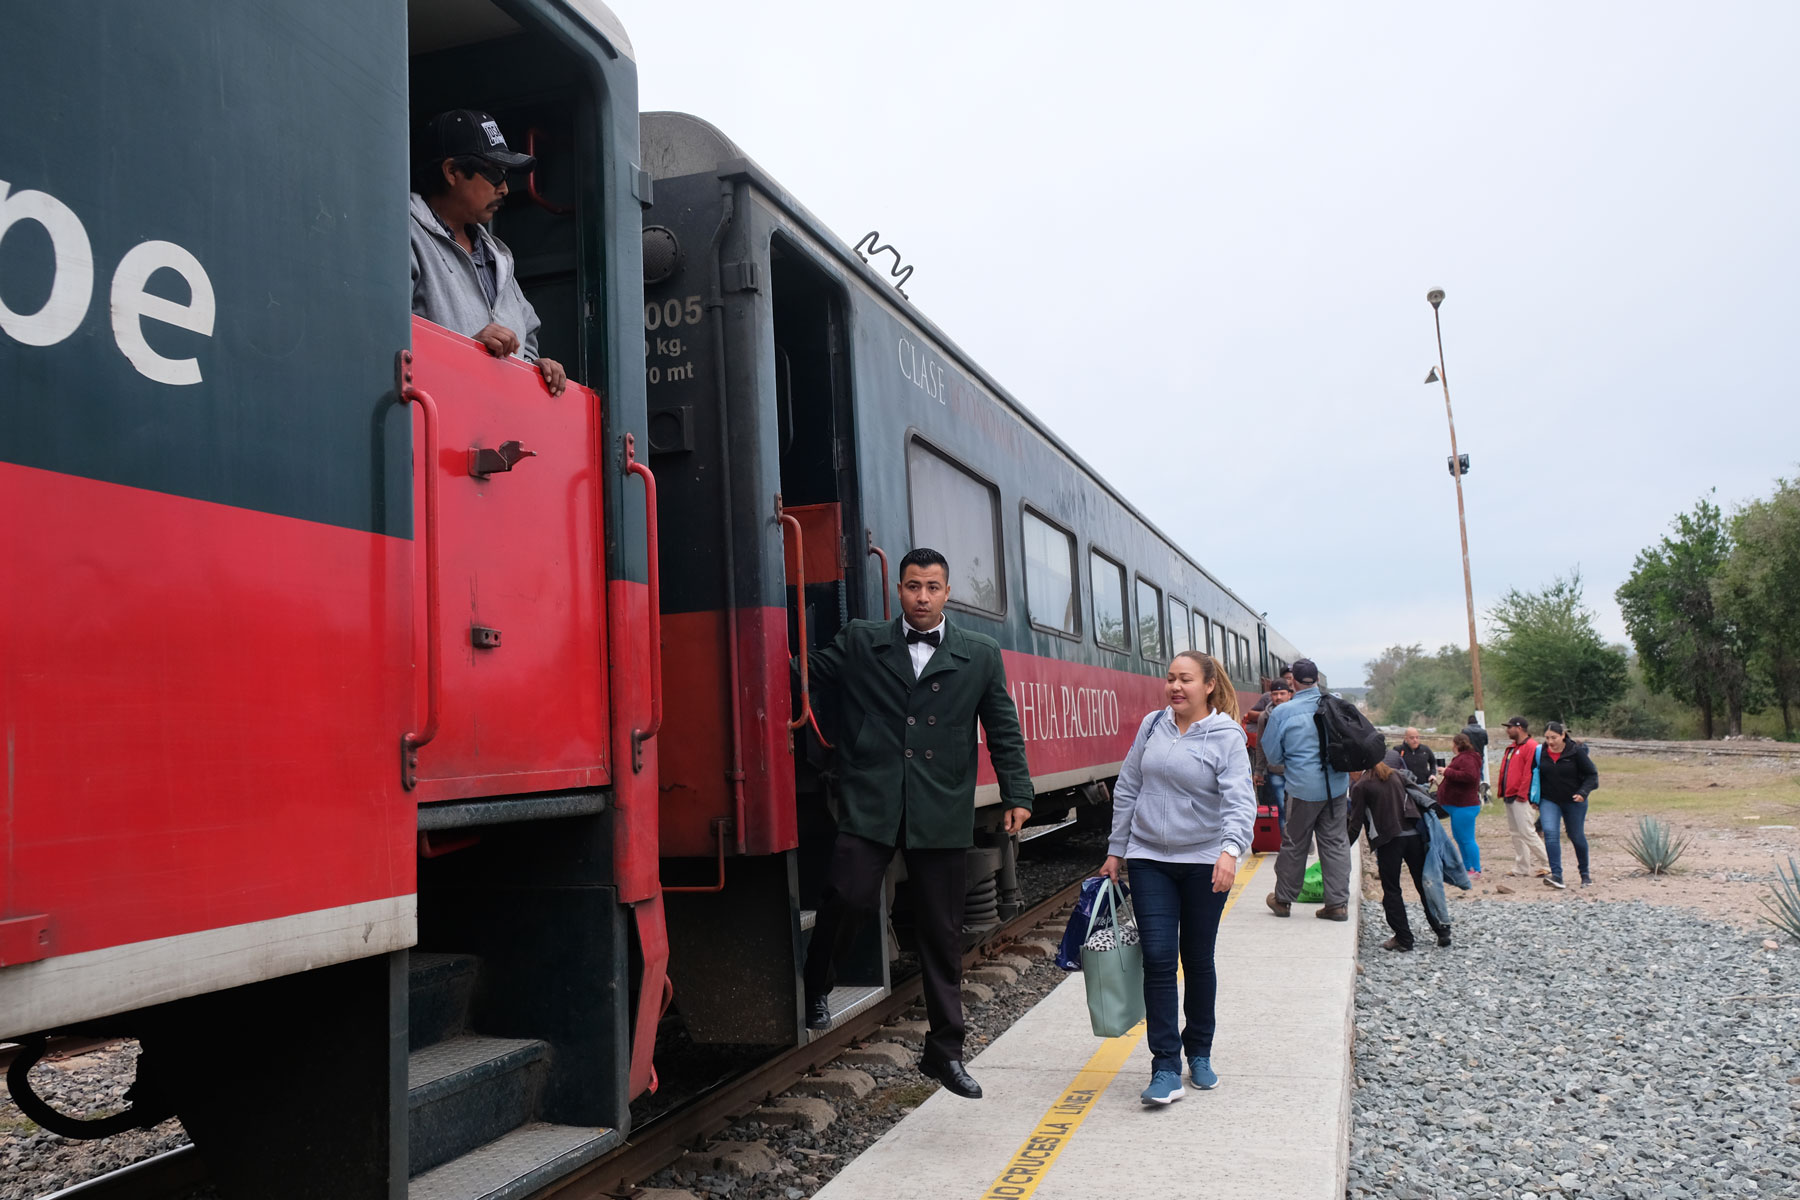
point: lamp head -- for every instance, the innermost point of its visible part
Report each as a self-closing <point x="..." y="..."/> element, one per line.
<point x="1436" y="296"/>
<point x="1433" y="377"/>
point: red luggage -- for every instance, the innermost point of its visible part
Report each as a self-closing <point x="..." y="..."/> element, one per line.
<point x="1267" y="838"/>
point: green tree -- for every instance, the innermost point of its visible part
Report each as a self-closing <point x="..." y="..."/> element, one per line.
<point x="1409" y="687"/>
<point x="1380" y="672"/>
<point x="1757" y="591"/>
<point x="1547" y="655"/>
<point x="1688" y="650"/>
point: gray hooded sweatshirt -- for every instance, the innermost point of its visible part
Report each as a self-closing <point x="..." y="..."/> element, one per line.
<point x="447" y="292"/>
<point x="1184" y="797"/>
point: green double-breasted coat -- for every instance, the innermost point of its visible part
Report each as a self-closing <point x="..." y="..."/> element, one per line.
<point x="906" y="747"/>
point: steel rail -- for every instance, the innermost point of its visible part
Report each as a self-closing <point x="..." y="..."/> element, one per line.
<point x="60" y="1048"/>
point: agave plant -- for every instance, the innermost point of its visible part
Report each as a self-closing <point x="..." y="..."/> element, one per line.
<point x="1783" y="901"/>
<point x="1654" y="844"/>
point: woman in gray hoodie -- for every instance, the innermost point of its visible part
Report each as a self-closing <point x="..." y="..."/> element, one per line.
<point x="1183" y="812"/>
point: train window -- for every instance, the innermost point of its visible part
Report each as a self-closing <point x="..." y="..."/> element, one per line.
<point x="1051" y="598"/>
<point x="1108" y="582"/>
<point x="958" y="514"/>
<point x="1150" y="621"/>
<point x="1181" y="631"/>
<point x="1219" y="649"/>
<point x="1243" y="657"/>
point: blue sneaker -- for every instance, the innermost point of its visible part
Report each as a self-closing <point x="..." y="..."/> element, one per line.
<point x="1165" y="1087"/>
<point x="1201" y="1072"/>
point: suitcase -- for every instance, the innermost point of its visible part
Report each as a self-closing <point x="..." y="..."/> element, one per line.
<point x="1267" y="838"/>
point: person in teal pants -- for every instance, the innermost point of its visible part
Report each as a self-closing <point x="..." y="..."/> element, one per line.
<point x="1459" y="790"/>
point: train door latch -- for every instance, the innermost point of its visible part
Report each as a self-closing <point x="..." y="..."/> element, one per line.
<point x="484" y="462"/>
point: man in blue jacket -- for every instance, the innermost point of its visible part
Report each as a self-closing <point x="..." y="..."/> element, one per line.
<point x="1316" y="802"/>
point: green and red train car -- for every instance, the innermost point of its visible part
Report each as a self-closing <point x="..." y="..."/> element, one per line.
<point x="391" y="792"/>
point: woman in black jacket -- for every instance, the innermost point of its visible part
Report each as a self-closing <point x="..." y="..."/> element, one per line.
<point x="1379" y="799"/>
<point x="1566" y="776"/>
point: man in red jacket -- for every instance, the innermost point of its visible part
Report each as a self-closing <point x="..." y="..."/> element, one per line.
<point x="1518" y="789"/>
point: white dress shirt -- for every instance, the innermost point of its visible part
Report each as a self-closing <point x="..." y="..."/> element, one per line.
<point x="922" y="651"/>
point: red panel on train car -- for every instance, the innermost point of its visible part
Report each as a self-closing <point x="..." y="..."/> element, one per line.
<point x="1074" y="717"/>
<point x="821" y="527"/>
<point x="694" y="750"/>
<point x="202" y="711"/>
<point x="525" y="702"/>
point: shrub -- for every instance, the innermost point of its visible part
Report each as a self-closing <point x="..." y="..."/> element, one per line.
<point x="1783" y="900"/>
<point x="1654" y="844"/>
<point x="1631" y="718"/>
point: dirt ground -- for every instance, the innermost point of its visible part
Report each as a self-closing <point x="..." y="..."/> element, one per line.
<point x="1740" y="815"/>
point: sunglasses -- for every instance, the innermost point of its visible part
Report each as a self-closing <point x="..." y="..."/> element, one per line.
<point x="495" y="175"/>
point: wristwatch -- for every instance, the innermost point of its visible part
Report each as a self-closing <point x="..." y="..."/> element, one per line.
<point x="1233" y="849"/>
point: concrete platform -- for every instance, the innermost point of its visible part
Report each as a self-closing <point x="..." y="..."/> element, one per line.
<point x="1061" y="1118"/>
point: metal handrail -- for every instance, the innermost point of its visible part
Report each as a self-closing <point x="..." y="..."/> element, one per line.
<point x="887" y="613"/>
<point x="806" y="709"/>
<point x="654" y="554"/>
<point x="410" y="743"/>
<point x="531" y="186"/>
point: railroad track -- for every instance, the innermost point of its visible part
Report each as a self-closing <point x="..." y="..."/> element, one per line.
<point x="1788" y="751"/>
<point x="1784" y="751"/>
<point x="60" y="1048"/>
<point x="663" y="1138"/>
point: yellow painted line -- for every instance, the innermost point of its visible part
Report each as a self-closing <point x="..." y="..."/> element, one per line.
<point x="1032" y="1161"/>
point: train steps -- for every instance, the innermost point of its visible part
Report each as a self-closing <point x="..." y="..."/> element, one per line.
<point x="474" y="1103"/>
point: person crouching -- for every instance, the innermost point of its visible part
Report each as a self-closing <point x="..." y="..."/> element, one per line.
<point x="1379" y="798"/>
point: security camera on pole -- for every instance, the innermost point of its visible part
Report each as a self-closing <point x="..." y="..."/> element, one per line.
<point x="1459" y="466"/>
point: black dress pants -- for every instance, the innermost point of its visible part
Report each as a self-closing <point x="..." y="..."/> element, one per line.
<point x="1408" y="849"/>
<point x="853" y="894"/>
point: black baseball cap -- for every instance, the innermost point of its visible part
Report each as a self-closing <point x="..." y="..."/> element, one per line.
<point x="1521" y="722"/>
<point x="468" y="132"/>
<point x="1305" y="670"/>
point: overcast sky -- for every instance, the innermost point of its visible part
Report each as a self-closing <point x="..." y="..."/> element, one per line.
<point x="1196" y="241"/>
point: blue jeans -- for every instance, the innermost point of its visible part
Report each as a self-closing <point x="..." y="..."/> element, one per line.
<point x="1178" y="917"/>
<point x="1278" y="786"/>
<point x="1574" y="815"/>
<point x="1462" y="828"/>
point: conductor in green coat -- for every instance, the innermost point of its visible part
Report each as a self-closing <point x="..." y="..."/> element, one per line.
<point x="909" y="692"/>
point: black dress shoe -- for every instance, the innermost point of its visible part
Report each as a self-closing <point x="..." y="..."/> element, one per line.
<point x="950" y="1073"/>
<point x="818" y="1012"/>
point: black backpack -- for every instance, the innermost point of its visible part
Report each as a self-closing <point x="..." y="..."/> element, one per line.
<point x="1347" y="741"/>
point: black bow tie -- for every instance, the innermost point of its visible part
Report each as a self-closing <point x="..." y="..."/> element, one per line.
<point x="932" y="638"/>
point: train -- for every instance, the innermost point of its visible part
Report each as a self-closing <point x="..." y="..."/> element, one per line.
<point x="433" y="738"/>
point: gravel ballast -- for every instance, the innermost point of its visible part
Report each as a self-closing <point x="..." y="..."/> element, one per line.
<point x="805" y="1160"/>
<point x="1583" y="1049"/>
<point x="34" y="1162"/>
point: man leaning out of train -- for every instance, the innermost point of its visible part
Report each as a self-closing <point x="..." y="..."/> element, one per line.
<point x="1379" y="800"/>
<point x="1566" y="776"/>
<point x="1183" y="814"/>
<point x="462" y="275"/>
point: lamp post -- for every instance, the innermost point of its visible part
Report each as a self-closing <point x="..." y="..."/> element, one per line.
<point x="1457" y="468"/>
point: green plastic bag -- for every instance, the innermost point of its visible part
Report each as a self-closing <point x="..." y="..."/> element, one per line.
<point x="1312" y="888"/>
<point x="1112" y="969"/>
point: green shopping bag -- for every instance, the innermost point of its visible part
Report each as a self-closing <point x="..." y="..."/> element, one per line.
<point x="1112" y="963"/>
<point x="1312" y="888"/>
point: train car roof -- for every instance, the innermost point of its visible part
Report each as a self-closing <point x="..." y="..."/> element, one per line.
<point x="674" y="144"/>
<point x="441" y="24"/>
